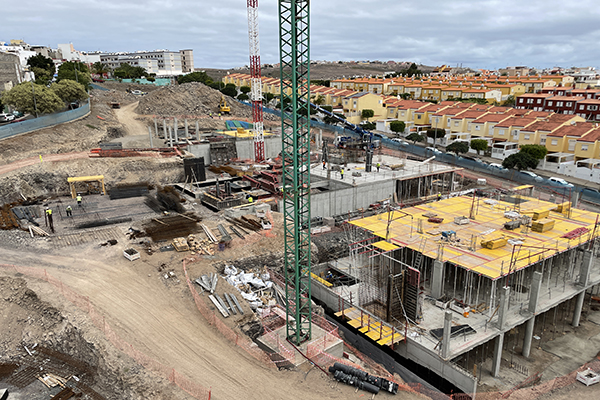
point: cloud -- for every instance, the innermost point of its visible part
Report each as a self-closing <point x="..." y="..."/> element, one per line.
<point x="481" y="34"/>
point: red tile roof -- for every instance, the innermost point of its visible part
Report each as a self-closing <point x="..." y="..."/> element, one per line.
<point x="575" y="129"/>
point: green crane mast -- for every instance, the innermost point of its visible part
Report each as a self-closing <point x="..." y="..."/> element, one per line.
<point x="294" y="50"/>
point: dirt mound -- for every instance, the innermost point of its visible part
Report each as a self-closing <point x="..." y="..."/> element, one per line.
<point x="188" y="99"/>
<point x="64" y="344"/>
<point x="114" y="96"/>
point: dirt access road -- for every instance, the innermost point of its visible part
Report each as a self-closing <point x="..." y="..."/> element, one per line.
<point x="163" y="323"/>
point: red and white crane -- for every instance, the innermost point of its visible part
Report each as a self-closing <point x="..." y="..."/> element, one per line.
<point x="256" y="82"/>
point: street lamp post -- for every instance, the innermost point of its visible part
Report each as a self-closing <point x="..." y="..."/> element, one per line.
<point x="34" y="102"/>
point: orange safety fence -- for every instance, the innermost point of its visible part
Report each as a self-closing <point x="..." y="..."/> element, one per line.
<point x="83" y="303"/>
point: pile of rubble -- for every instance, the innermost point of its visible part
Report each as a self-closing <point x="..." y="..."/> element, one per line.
<point x="192" y="98"/>
<point x="255" y="286"/>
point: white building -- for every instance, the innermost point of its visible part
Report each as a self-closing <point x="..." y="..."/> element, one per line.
<point x="159" y="62"/>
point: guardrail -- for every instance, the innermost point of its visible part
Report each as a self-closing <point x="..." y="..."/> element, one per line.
<point x="46" y="121"/>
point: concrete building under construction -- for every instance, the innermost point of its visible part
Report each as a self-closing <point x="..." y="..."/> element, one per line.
<point x="445" y="283"/>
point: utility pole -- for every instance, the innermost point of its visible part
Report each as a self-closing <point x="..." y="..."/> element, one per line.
<point x="294" y="50"/>
<point x="34" y="102"/>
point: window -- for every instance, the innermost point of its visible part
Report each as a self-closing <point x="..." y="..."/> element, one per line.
<point x="592" y="108"/>
<point x="543" y="140"/>
<point x="402" y="113"/>
<point x="477" y="127"/>
<point x="550" y="103"/>
<point x="529" y="101"/>
<point x="584" y="147"/>
<point x="501" y="132"/>
<point x="572" y="143"/>
<point x="582" y="107"/>
<point x="539" y="101"/>
<point x="515" y="134"/>
<point x="419" y="116"/>
<point x="526" y="137"/>
<point x="569" y="103"/>
<point x="456" y="123"/>
<point x="559" y="104"/>
<point x="554" y="142"/>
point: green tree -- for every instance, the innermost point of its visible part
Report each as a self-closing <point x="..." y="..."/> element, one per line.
<point x="69" y="91"/>
<point x="367" y="113"/>
<point x="509" y="102"/>
<point x="405" y="96"/>
<point x="42" y="76"/>
<point x="21" y="97"/>
<point x="319" y="100"/>
<point x="369" y="126"/>
<point x="268" y="96"/>
<point x="245" y="89"/>
<point x="126" y="71"/>
<point x="458" y="147"/>
<point x="415" y="137"/>
<point x="411" y="71"/>
<point x="321" y="82"/>
<point x="328" y="108"/>
<point x="199" y="76"/>
<point x="243" y="97"/>
<point x="229" y="91"/>
<point x="42" y="62"/>
<point x="74" y="71"/>
<point x="534" y="150"/>
<point x="435" y="133"/>
<point x="519" y="161"/>
<point x="100" y="68"/>
<point x="397" y="126"/>
<point x="479" y="145"/>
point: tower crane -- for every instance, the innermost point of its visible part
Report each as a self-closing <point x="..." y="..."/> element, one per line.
<point x="294" y="50"/>
<point x="256" y="82"/>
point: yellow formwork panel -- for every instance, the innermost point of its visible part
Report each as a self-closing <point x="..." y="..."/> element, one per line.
<point x="489" y="220"/>
<point x="385" y="246"/>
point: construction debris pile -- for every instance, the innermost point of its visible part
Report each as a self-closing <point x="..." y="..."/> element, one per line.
<point x="232" y="307"/>
<point x="192" y="98"/>
<point x="255" y="286"/>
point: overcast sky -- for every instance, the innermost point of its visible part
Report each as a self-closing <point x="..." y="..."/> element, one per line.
<point x="475" y="33"/>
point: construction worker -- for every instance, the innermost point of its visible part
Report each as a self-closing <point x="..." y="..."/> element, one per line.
<point x="50" y="221"/>
<point x="324" y="163"/>
<point x="250" y="199"/>
<point x="69" y="211"/>
<point x="342" y="172"/>
<point x="378" y="166"/>
<point x="439" y="197"/>
<point x="79" y="198"/>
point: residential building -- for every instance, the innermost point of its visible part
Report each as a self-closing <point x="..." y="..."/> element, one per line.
<point x="564" y="139"/>
<point x="187" y="60"/>
<point x="561" y="104"/>
<point x="161" y="62"/>
<point x="588" y="109"/>
<point x="532" y="101"/>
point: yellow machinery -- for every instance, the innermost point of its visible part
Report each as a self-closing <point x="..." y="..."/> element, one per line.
<point x="223" y="107"/>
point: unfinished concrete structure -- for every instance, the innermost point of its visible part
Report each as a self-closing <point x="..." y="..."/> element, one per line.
<point x="444" y="283"/>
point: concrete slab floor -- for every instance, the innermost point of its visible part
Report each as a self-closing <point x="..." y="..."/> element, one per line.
<point x="560" y="355"/>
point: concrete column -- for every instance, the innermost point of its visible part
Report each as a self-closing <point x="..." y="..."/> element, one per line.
<point x="497" y="355"/>
<point x="170" y="136"/>
<point x="197" y="131"/>
<point x="578" y="307"/>
<point x="175" y="130"/>
<point x="503" y="309"/>
<point x="536" y="284"/>
<point x="150" y="134"/>
<point x="446" y="334"/>
<point x="584" y="270"/>
<point x="185" y="124"/>
<point x="156" y="127"/>
<point x="165" y="129"/>
<point x="574" y="199"/>
<point x="437" y="280"/>
<point x="528" y="337"/>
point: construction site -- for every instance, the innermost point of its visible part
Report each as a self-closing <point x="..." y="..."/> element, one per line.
<point x="185" y="245"/>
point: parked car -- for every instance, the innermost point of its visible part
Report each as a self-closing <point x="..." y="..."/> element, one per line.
<point x="400" y="141"/>
<point x="497" y="167"/>
<point x="433" y="150"/>
<point x="6" y="117"/>
<point x="18" y="114"/>
<point x="560" y="182"/>
<point x="532" y="175"/>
